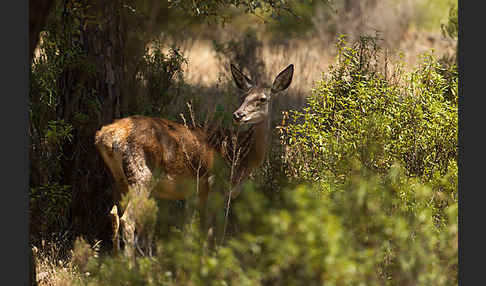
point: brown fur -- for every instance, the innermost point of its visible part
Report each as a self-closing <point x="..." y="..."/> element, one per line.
<point x="134" y="147"/>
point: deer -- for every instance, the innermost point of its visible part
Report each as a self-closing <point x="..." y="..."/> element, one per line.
<point x="134" y="148"/>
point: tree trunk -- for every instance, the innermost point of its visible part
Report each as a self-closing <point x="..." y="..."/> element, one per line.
<point x="105" y="46"/>
<point x="103" y="42"/>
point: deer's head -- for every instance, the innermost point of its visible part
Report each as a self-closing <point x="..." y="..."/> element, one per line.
<point x="256" y="99"/>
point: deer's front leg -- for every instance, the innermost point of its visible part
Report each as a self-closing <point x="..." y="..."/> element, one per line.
<point x="204" y="219"/>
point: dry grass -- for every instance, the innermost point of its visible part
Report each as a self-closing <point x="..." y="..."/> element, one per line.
<point x="54" y="268"/>
<point x="416" y="42"/>
<point x="311" y="58"/>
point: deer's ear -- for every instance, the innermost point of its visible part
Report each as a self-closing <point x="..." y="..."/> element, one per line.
<point x="283" y="79"/>
<point x="241" y="80"/>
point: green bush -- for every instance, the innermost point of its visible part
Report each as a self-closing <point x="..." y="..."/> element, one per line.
<point x="155" y="73"/>
<point x="451" y="29"/>
<point x="361" y="114"/>
<point x="372" y="230"/>
<point x="359" y="111"/>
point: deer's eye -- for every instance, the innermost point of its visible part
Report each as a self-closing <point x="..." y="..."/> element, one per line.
<point x="263" y="99"/>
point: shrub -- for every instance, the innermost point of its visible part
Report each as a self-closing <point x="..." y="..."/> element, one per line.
<point x="361" y="112"/>
<point x="371" y="230"/>
<point x="155" y="73"/>
<point x="451" y="29"/>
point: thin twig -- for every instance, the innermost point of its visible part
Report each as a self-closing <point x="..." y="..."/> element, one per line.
<point x="236" y="157"/>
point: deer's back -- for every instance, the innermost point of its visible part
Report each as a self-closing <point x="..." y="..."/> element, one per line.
<point x="159" y="143"/>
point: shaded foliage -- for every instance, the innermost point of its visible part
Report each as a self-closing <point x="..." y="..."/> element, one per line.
<point x="218" y="10"/>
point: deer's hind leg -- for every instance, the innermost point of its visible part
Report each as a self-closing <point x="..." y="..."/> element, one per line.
<point x="114" y="162"/>
<point x="139" y="177"/>
<point x="115" y="223"/>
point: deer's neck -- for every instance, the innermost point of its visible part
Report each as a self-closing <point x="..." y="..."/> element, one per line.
<point x="260" y="140"/>
<point x="249" y="151"/>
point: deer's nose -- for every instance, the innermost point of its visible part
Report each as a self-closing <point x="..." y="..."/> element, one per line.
<point x="237" y="115"/>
